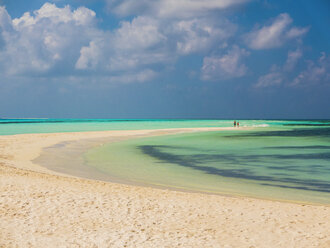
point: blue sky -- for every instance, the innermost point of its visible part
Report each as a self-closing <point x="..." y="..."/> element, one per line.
<point x="165" y="59"/>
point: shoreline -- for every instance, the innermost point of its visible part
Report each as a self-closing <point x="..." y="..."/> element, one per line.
<point x="31" y="217"/>
<point x="23" y="152"/>
<point x="54" y="161"/>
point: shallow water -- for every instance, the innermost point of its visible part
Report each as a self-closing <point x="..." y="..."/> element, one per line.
<point x="22" y="126"/>
<point x="283" y="161"/>
<point x="276" y="159"/>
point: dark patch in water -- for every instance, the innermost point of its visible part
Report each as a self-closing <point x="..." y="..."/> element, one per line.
<point x="298" y="147"/>
<point x="309" y="124"/>
<point x="197" y="162"/>
<point x="301" y="132"/>
<point x="312" y="169"/>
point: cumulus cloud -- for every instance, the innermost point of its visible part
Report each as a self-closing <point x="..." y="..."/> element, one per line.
<point x="133" y="47"/>
<point x="169" y="8"/>
<point x="271" y="79"/>
<point x="278" y="74"/>
<point x="228" y="66"/>
<point x="144" y="31"/>
<point x="293" y="57"/>
<point x="200" y="35"/>
<point x="316" y="72"/>
<point x="5" y="20"/>
<point x="61" y="41"/>
<point x="54" y="41"/>
<point x="5" y="26"/>
<point x="296" y="32"/>
<point x="45" y="40"/>
<point x="81" y="16"/>
<point x="89" y="56"/>
<point x="146" y="41"/>
<point x="275" y="34"/>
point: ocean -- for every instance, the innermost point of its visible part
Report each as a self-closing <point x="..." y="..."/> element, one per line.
<point x="22" y="126"/>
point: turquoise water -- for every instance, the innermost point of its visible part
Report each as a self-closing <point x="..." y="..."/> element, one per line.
<point x="21" y="126"/>
<point x="276" y="159"/>
<point x="285" y="161"/>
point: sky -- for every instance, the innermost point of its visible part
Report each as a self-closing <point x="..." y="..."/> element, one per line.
<point x="223" y="59"/>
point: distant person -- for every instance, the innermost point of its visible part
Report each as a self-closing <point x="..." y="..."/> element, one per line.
<point x="238" y="124"/>
<point x="234" y="123"/>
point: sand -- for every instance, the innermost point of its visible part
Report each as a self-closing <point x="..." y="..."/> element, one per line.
<point x="43" y="208"/>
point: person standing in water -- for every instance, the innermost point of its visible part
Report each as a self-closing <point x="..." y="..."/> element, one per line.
<point x="234" y="123"/>
<point x="238" y="124"/>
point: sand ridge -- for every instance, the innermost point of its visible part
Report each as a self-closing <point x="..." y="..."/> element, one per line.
<point x="41" y="208"/>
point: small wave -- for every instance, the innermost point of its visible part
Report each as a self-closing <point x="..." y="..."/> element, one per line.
<point x="257" y="125"/>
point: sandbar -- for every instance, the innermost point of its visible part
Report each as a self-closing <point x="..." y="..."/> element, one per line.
<point x="43" y="208"/>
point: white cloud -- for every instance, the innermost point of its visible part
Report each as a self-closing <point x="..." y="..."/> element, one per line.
<point x="270" y="79"/>
<point x="80" y="16"/>
<point x="296" y="32"/>
<point x="315" y="73"/>
<point x="5" y="27"/>
<point x="50" y="38"/>
<point x="169" y="8"/>
<point x="293" y="57"/>
<point x="131" y="48"/>
<point x="275" y="34"/>
<point x="278" y="74"/>
<point x="54" y="41"/>
<point x="217" y="68"/>
<point x="200" y="35"/>
<point x="61" y="41"/>
<point x="145" y="42"/>
<point x="89" y="56"/>
<point x="141" y="33"/>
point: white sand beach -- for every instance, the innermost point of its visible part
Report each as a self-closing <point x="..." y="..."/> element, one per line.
<point x="43" y="208"/>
